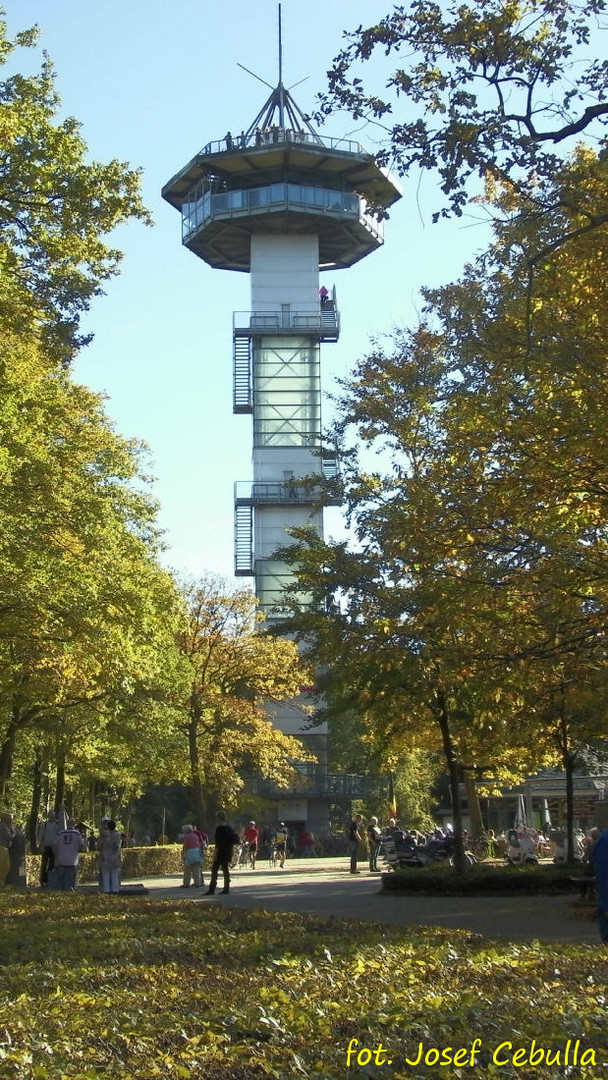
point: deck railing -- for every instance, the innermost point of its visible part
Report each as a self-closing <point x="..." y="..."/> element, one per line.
<point x="276" y="136"/>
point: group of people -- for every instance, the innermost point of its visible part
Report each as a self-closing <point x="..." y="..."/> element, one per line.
<point x="228" y="846"/>
<point x="261" y="136"/>
<point x="60" y="843"/>
<point x="268" y="842"/>
<point x="371" y="836"/>
<point x="226" y="841"/>
<point x="357" y="835"/>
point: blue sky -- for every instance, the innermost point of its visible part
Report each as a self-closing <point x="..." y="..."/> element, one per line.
<point x="151" y="83"/>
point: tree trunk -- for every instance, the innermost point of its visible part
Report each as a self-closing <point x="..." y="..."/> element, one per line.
<point x="568" y="760"/>
<point x="443" y="716"/>
<point x="45" y="797"/>
<point x="7" y="753"/>
<point x="7" y="750"/>
<point x="60" y="783"/>
<point x="569" y="763"/>
<point x="20" y="718"/>
<point x="196" y="784"/>
<point x="32" y="821"/>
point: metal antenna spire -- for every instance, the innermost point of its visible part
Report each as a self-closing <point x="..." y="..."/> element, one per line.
<point x="280" y="88"/>
<point x="280" y="49"/>
<point x="280" y="105"/>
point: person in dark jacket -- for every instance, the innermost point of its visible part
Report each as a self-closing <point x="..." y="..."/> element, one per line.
<point x="225" y="839"/>
<point x="354" y="842"/>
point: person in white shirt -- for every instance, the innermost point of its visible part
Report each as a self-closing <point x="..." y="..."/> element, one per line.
<point x="66" y="848"/>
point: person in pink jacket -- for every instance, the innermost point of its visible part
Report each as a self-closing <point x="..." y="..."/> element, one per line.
<point x="192" y="856"/>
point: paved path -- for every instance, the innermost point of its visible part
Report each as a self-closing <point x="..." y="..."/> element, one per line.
<point x="324" y="887"/>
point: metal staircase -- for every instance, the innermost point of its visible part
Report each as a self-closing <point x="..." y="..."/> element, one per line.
<point x="243" y="396"/>
<point x="243" y="541"/>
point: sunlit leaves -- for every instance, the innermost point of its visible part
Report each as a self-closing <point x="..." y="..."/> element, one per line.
<point x="56" y="208"/>
<point x="85" y="618"/>
<point x="236" y="674"/>
<point x="474" y="593"/>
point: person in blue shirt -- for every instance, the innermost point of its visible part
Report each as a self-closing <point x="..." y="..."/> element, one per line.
<point x="598" y="857"/>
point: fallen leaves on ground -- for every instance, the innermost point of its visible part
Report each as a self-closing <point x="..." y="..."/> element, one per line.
<point x="98" y="988"/>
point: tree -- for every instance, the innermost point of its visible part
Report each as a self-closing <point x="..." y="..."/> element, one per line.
<point x="569" y="699"/>
<point x="86" y="612"/>
<point x="87" y="630"/>
<point x="357" y="747"/>
<point x="236" y="672"/>
<point x="486" y="527"/>
<point x="55" y="210"/>
<point x="485" y="87"/>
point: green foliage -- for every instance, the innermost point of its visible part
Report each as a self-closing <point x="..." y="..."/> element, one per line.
<point x="484" y="88"/>
<point x="88" y="616"/>
<point x="235" y="674"/>
<point x="96" y="988"/>
<point x="468" y="612"/>
<point x="415" y="780"/>
<point x="55" y="210"/>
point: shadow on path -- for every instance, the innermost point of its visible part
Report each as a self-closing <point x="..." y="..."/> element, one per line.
<point x="327" y="891"/>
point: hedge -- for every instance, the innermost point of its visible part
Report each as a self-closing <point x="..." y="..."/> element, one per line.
<point x="483" y="881"/>
<point x="142" y="862"/>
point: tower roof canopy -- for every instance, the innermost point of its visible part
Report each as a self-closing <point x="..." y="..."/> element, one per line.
<point x="256" y="155"/>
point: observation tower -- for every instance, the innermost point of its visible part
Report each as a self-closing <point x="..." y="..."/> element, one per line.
<point x="281" y="203"/>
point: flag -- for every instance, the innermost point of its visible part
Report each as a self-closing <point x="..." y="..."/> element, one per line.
<point x="392" y="801"/>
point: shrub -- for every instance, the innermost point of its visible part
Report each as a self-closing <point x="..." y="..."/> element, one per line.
<point x="481" y="880"/>
<point x="136" y="863"/>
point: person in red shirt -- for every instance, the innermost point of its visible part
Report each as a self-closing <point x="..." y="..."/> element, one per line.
<point x="252" y="835"/>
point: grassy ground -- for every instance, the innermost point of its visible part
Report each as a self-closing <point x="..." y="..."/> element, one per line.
<point x="103" y="987"/>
